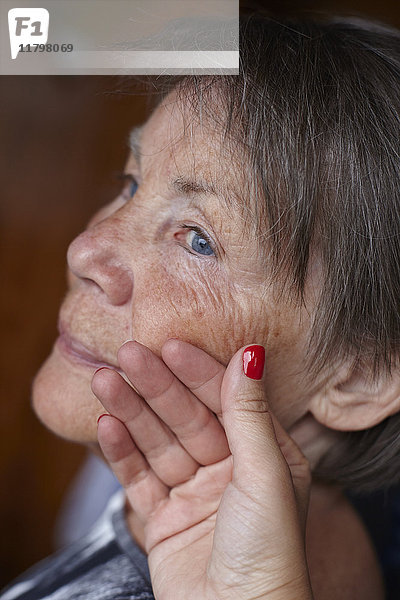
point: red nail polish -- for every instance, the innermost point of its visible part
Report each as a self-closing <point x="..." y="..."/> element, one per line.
<point x="101" y="416"/>
<point x="253" y="361"/>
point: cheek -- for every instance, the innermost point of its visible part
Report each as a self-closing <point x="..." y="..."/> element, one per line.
<point x="188" y="307"/>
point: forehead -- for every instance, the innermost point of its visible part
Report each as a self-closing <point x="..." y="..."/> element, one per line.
<point x="187" y="144"/>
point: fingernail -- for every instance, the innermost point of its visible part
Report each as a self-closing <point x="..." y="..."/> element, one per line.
<point x="101" y="416"/>
<point x="100" y="369"/>
<point x="253" y="361"/>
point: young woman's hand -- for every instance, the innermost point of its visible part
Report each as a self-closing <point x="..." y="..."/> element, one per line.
<point x="233" y="528"/>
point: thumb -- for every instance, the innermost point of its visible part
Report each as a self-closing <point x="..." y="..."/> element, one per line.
<point x="263" y="453"/>
<point x="247" y="420"/>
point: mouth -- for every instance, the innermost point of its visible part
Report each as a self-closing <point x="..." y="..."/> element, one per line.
<point x="78" y="353"/>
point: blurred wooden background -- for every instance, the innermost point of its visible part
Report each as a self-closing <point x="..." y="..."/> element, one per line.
<point x="62" y="141"/>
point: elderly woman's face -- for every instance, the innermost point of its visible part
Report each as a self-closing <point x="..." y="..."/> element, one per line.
<point x="168" y="259"/>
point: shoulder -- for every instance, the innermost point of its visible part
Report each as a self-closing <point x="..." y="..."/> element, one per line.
<point x="341" y="558"/>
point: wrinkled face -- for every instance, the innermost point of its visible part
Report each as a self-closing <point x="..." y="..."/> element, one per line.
<point x="168" y="258"/>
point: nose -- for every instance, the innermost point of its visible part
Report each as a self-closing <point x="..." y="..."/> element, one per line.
<point x="96" y="257"/>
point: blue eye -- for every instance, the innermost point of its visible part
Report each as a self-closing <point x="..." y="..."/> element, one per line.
<point x="131" y="185"/>
<point x="199" y="243"/>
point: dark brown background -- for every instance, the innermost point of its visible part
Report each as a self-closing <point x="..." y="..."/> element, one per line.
<point x="63" y="140"/>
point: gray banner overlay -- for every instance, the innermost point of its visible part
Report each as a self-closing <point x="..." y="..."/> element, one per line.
<point x="137" y="37"/>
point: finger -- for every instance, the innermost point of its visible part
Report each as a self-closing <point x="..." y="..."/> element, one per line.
<point x="262" y="496"/>
<point x="144" y="489"/>
<point x="262" y="460"/>
<point x="169" y="460"/>
<point x="197" y="370"/>
<point x="195" y="426"/>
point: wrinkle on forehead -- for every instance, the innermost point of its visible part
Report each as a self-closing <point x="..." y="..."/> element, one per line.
<point x="198" y="142"/>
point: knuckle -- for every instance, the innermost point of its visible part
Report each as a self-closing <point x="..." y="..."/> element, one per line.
<point x="252" y="404"/>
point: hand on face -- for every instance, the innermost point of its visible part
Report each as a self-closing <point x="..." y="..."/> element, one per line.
<point x="215" y="524"/>
<point x="170" y="257"/>
<point x="172" y="420"/>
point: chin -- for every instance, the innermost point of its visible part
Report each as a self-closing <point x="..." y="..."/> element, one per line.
<point x="63" y="400"/>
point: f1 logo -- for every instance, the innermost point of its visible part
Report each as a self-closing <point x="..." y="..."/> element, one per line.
<point x="26" y="26"/>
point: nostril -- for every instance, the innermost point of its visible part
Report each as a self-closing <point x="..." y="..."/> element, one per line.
<point x="116" y="281"/>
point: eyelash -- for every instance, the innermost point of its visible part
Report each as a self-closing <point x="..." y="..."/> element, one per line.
<point x="202" y="234"/>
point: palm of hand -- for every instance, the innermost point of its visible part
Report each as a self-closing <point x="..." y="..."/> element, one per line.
<point x="179" y="533"/>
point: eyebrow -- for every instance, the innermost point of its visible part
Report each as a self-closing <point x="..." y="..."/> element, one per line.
<point x="181" y="185"/>
<point x="190" y="187"/>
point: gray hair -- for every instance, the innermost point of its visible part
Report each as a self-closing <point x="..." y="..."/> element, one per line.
<point x="315" y="112"/>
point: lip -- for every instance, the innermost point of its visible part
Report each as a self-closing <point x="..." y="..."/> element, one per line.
<point x="78" y="353"/>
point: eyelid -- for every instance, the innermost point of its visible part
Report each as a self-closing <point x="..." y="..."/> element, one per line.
<point x="128" y="179"/>
<point x="125" y="176"/>
<point x="203" y="234"/>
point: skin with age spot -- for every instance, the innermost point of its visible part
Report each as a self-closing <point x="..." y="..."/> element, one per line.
<point x="133" y="275"/>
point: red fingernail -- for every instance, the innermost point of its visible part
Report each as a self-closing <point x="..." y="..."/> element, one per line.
<point x="253" y="361"/>
<point x="101" y="416"/>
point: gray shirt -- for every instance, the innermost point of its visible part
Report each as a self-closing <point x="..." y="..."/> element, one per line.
<point x="106" y="564"/>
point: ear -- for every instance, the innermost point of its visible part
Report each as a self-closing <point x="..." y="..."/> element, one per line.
<point x="355" y="401"/>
